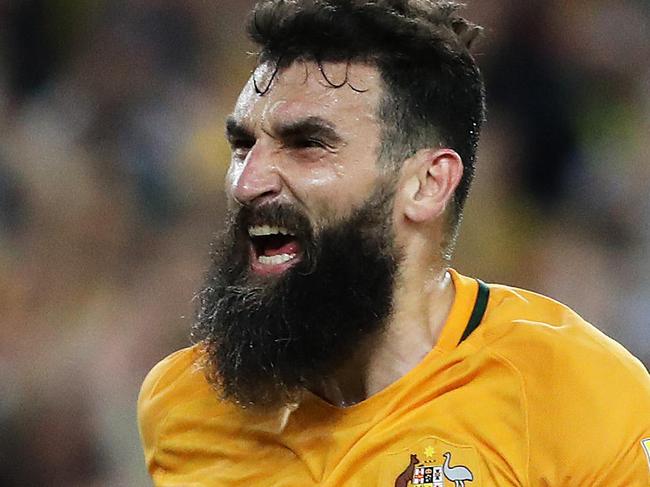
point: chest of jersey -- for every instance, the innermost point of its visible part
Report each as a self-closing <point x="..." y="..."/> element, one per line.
<point x="461" y="426"/>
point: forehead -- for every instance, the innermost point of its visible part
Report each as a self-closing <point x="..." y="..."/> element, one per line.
<point x="306" y="89"/>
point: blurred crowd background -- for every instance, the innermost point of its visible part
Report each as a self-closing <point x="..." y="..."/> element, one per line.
<point x="111" y="167"/>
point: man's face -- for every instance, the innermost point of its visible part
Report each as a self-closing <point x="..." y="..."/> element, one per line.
<point x="305" y="144"/>
<point x="303" y="276"/>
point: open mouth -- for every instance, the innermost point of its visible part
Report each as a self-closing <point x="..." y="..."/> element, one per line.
<point x="273" y="249"/>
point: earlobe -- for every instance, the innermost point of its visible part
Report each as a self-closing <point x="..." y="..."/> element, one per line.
<point x="430" y="187"/>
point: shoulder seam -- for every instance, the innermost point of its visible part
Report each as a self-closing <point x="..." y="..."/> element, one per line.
<point x="524" y="400"/>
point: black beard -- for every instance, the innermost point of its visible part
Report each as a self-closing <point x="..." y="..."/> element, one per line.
<point x="268" y="339"/>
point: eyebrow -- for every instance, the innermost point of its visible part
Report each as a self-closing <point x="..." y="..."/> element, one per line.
<point x="236" y="130"/>
<point x="312" y="126"/>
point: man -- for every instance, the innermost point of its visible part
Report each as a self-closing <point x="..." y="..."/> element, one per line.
<point x="334" y="345"/>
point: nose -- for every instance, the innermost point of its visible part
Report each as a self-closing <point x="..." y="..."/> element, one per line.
<point x="255" y="178"/>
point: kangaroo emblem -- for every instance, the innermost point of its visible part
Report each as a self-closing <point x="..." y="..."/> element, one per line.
<point x="407" y="475"/>
<point x="458" y="474"/>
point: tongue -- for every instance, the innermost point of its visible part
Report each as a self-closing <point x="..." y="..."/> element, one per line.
<point x="290" y="247"/>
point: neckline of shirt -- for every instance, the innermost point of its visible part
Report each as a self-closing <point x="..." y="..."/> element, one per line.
<point x="466" y="292"/>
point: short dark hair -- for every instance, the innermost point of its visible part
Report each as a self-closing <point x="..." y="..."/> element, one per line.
<point x="434" y="92"/>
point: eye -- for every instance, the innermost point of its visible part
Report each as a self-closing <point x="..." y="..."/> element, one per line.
<point x="241" y="147"/>
<point x="308" y="143"/>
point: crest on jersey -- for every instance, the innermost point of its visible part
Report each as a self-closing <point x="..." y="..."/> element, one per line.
<point x="434" y="470"/>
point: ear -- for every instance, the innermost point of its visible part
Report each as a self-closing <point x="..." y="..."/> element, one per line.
<point x="431" y="176"/>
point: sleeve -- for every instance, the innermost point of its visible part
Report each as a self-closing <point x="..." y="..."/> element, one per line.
<point x="157" y="397"/>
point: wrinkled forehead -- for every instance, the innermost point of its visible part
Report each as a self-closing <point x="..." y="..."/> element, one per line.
<point x="340" y="91"/>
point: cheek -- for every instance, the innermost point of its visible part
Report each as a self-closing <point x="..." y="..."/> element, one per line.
<point x="230" y="183"/>
<point x="322" y="186"/>
<point x="332" y="197"/>
<point x="319" y="177"/>
<point x="233" y="174"/>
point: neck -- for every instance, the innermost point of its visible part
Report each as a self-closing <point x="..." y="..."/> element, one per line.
<point x="421" y="303"/>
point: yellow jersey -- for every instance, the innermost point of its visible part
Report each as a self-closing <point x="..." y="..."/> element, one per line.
<point x="518" y="391"/>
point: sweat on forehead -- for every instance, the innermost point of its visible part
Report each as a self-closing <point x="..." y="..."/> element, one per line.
<point x="304" y="86"/>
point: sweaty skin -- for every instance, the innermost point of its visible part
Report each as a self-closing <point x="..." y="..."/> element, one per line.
<point x="330" y="178"/>
<point x="326" y="170"/>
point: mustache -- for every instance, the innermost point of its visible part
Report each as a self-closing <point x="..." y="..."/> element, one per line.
<point x="273" y="214"/>
<point x="277" y="214"/>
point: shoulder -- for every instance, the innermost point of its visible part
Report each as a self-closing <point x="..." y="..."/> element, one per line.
<point x="167" y="385"/>
<point x="586" y="398"/>
<point x="550" y="341"/>
<point x="167" y="372"/>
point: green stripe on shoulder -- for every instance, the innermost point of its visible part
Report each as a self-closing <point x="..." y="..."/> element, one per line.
<point x="479" y="309"/>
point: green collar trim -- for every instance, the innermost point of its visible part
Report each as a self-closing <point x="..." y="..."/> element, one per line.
<point x="479" y="310"/>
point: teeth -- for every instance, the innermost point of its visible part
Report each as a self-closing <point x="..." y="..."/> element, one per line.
<point x="275" y="259"/>
<point x="263" y="230"/>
